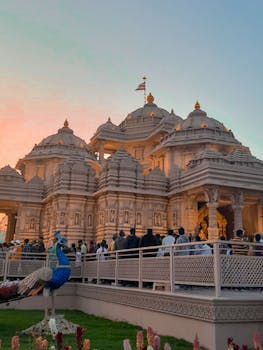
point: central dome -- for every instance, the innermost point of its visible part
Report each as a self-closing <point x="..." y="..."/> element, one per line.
<point x="149" y="110"/>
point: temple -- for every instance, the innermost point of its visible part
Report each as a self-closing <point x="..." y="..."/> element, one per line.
<point x="153" y="170"/>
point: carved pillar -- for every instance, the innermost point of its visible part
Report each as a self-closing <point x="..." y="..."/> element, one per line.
<point x="10" y="231"/>
<point x="162" y="163"/>
<point x="237" y="205"/>
<point x="170" y="162"/>
<point x="191" y="211"/>
<point x="212" y="228"/>
<point x="178" y="219"/>
<point x="212" y="204"/>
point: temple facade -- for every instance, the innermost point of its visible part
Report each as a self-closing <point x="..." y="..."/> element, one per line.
<point x="153" y="170"/>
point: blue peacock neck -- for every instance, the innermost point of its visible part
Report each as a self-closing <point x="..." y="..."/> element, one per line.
<point x="62" y="258"/>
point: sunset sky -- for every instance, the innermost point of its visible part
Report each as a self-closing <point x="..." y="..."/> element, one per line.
<point x="83" y="59"/>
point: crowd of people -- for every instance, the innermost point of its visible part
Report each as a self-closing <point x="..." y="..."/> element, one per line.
<point x="199" y="247"/>
<point x="122" y="242"/>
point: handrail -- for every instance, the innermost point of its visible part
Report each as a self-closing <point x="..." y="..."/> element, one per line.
<point x="191" y="265"/>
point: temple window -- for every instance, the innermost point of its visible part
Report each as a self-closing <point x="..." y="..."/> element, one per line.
<point x="157" y="219"/>
<point x="62" y="219"/>
<point x="126" y="216"/>
<point x="138" y="218"/>
<point x="77" y="219"/>
<point x="89" y="220"/>
<point x="32" y="224"/>
<point x="112" y="215"/>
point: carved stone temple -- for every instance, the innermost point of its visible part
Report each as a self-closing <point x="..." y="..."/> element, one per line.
<point x="153" y="170"/>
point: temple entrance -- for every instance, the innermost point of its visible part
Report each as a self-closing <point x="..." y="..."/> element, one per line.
<point x="225" y="221"/>
<point x="7" y="225"/>
<point x="3" y="227"/>
<point x="228" y="214"/>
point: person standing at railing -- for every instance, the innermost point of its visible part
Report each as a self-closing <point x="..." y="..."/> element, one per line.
<point x="237" y="247"/>
<point x="41" y="245"/>
<point x="257" y="249"/>
<point x="102" y="251"/>
<point x="17" y="251"/>
<point x="112" y="242"/>
<point x="132" y="240"/>
<point x="92" y="247"/>
<point x="121" y="242"/>
<point x="182" y="250"/>
<point x="202" y="249"/>
<point x="78" y="257"/>
<point x="168" y="240"/>
<point x="223" y="247"/>
<point x="83" y="248"/>
<point x="149" y="240"/>
<point x="26" y="248"/>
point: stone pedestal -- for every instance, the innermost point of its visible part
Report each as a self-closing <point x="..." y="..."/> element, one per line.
<point x="42" y="327"/>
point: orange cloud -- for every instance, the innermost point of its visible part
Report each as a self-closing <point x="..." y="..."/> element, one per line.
<point x="25" y="119"/>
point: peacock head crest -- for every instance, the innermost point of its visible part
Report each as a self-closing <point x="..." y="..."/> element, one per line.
<point x="62" y="241"/>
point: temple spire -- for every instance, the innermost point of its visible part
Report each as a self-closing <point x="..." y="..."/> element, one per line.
<point x="197" y="105"/>
<point x="150" y="98"/>
<point x="66" y="124"/>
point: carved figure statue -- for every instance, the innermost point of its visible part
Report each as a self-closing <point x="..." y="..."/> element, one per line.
<point x="203" y="233"/>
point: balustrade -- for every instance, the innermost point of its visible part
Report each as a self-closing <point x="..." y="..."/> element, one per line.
<point x="188" y="267"/>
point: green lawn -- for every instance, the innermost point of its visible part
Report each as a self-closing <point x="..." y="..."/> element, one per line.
<point x="103" y="333"/>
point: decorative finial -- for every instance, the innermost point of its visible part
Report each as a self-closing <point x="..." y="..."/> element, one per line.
<point x="150" y="98"/>
<point x="197" y="105"/>
<point x="109" y="119"/>
<point x="66" y="123"/>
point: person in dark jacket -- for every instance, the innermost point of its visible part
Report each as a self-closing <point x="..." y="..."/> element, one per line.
<point x="132" y="242"/>
<point x="149" y="240"/>
<point x="120" y="242"/>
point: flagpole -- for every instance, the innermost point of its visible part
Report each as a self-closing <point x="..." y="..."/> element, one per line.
<point x="144" y="79"/>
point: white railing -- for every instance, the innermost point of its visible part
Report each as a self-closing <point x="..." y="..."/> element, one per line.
<point x="185" y="264"/>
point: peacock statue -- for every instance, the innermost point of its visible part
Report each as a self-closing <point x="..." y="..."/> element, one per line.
<point x="46" y="278"/>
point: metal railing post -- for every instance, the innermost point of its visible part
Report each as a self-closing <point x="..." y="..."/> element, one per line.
<point x="47" y="260"/>
<point x="116" y="267"/>
<point x="6" y="265"/>
<point x="217" y="268"/>
<point x="140" y="269"/>
<point x="171" y="267"/>
<point x="98" y="267"/>
<point x="83" y="267"/>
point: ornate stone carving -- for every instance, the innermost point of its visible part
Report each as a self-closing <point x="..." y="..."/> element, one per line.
<point x="197" y="308"/>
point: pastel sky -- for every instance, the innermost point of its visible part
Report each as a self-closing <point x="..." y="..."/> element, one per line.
<point x="83" y="59"/>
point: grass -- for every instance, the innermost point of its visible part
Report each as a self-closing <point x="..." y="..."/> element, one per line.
<point x="103" y="333"/>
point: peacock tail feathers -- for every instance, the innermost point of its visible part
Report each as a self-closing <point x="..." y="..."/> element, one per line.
<point x="35" y="279"/>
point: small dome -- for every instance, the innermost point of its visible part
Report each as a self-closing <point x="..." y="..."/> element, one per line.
<point x="107" y="126"/>
<point x="198" y="119"/>
<point x="7" y="171"/>
<point x="10" y="174"/>
<point x="63" y="143"/>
